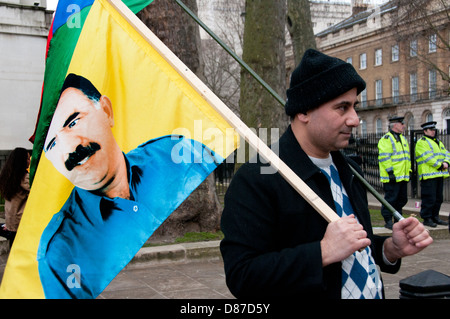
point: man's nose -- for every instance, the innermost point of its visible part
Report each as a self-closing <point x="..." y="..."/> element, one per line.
<point x="67" y="144"/>
<point x="353" y="119"/>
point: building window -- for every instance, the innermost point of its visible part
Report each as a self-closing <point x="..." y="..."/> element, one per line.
<point x="379" y="126"/>
<point x="362" y="61"/>
<point x="363" y="128"/>
<point x="429" y="117"/>
<point x="446" y="121"/>
<point x="413" y="48"/>
<point x="379" y="92"/>
<point x="395" y="89"/>
<point x="395" y="53"/>
<point x="364" y="98"/>
<point x="349" y="60"/>
<point x="432" y="43"/>
<point x="413" y="86"/>
<point x="378" y="57"/>
<point x="432" y="77"/>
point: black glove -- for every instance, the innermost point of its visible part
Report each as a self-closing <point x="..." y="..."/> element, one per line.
<point x="391" y="177"/>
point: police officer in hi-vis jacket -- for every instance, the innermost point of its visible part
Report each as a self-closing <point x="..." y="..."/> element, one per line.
<point x="395" y="166"/>
<point x="433" y="161"/>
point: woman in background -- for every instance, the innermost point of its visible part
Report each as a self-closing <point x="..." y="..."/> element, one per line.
<point x="14" y="188"/>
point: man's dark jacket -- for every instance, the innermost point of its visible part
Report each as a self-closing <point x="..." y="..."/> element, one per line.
<point x="272" y="235"/>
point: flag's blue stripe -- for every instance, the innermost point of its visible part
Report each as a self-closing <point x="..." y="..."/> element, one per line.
<point x="66" y="8"/>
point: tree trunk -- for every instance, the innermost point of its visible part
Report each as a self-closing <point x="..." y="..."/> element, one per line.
<point x="201" y="210"/>
<point x="300" y="27"/>
<point x="264" y="52"/>
<point x="176" y="29"/>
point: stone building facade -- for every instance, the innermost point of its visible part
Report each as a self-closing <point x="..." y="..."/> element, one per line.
<point x="399" y="82"/>
<point x="24" y="27"/>
<point x="325" y="14"/>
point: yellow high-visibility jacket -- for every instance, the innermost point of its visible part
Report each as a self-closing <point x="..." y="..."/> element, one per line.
<point x="430" y="154"/>
<point x="393" y="156"/>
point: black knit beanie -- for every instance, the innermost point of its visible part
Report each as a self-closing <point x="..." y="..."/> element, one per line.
<point x="318" y="79"/>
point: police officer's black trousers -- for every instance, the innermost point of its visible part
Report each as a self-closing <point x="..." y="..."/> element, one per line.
<point x="396" y="194"/>
<point x="431" y="191"/>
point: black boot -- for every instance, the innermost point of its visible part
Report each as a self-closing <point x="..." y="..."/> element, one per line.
<point x="429" y="222"/>
<point x="388" y="224"/>
<point x="439" y="221"/>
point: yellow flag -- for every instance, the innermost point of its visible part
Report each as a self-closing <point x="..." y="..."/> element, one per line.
<point x="153" y="101"/>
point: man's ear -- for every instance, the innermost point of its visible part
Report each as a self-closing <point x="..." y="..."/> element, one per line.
<point x="106" y="105"/>
<point x="304" y="118"/>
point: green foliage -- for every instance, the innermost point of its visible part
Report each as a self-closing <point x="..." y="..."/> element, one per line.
<point x="378" y="221"/>
<point x="199" y="236"/>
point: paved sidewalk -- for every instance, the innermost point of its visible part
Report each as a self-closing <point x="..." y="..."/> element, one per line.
<point x="412" y="206"/>
<point x="204" y="278"/>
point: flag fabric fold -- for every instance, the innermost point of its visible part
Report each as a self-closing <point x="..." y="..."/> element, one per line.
<point x="73" y="240"/>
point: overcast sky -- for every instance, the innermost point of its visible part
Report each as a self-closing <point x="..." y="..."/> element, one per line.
<point x="51" y="4"/>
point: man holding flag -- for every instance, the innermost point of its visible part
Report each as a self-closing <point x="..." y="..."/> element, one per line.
<point x="276" y="244"/>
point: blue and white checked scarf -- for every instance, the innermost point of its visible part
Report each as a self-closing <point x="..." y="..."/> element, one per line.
<point x="360" y="277"/>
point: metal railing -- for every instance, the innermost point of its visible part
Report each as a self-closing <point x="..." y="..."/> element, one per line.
<point x="364" y="150"/>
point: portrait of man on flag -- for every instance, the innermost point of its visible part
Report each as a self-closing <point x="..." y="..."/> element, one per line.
<point x="118" y="199"/>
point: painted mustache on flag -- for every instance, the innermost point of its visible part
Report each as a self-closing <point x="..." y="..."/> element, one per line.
<point x="81" y="155"/>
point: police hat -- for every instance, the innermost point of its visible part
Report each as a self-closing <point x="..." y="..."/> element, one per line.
<point x="429" y="125"/>
<point x="396" y="119"/>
